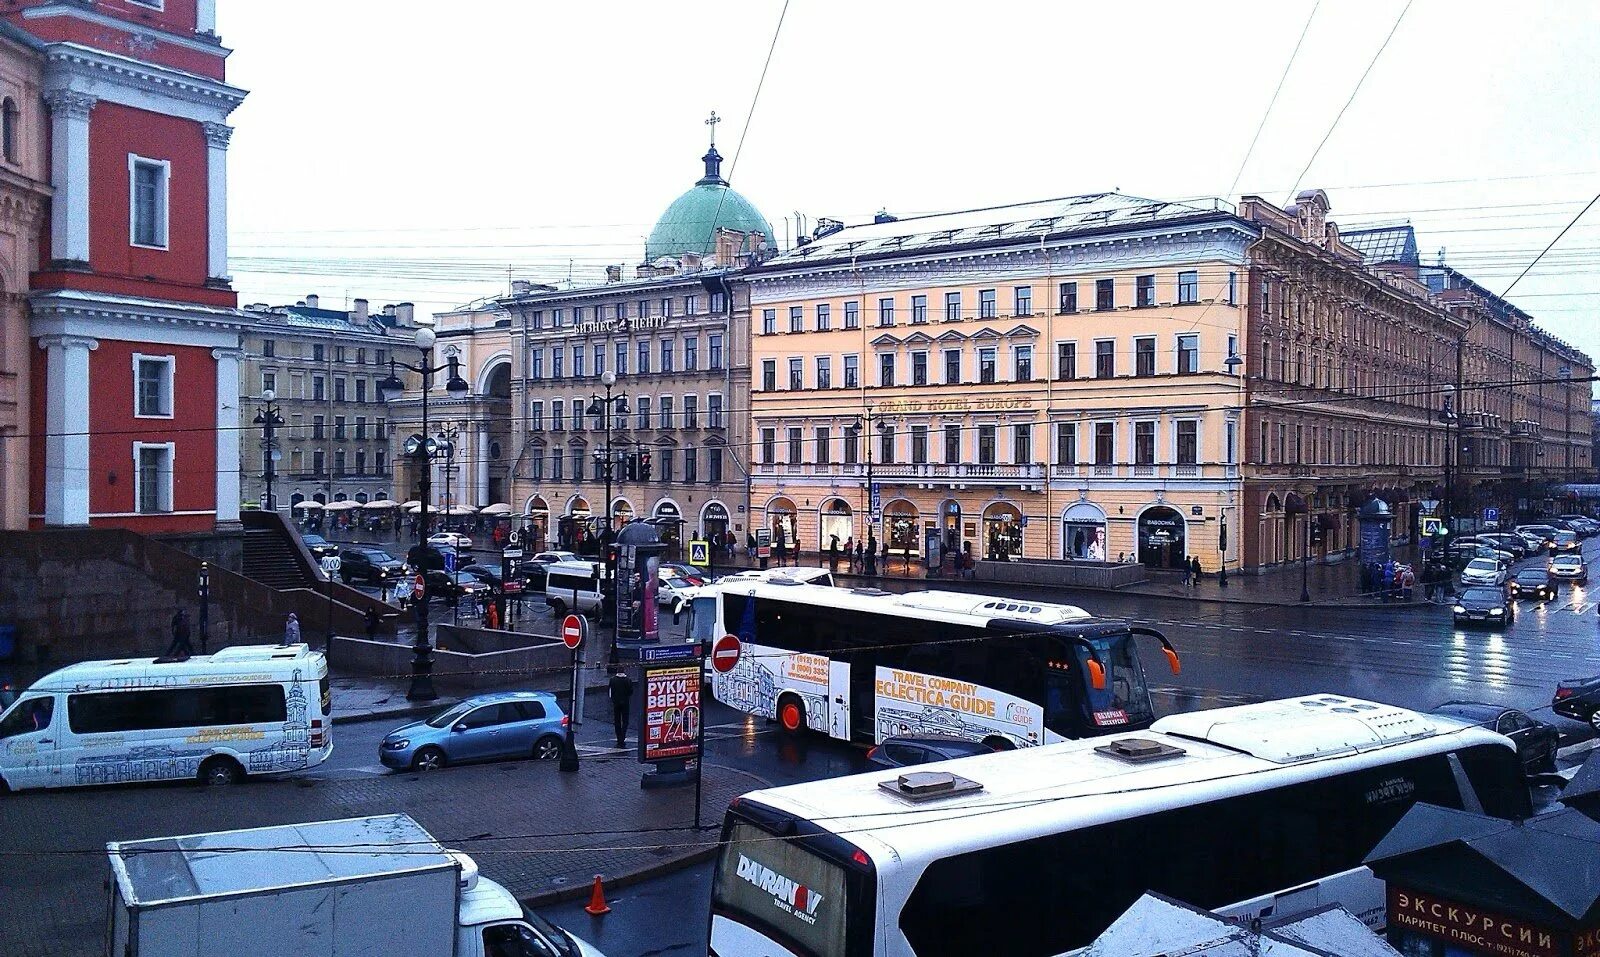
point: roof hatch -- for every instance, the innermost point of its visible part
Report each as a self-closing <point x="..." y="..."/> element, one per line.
<point x="921" y="786"/>
<point x="1302" y="729"/>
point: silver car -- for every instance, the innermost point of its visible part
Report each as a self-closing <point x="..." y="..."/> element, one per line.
<point x="1484" y="571"/>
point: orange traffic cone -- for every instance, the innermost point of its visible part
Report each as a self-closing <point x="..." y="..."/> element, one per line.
<point x="597" y="899"/>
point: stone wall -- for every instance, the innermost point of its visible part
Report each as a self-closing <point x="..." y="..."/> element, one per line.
<point x="1079" y="574"/>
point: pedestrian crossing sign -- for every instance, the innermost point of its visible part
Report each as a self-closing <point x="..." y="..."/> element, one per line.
<point x="700" y="553"/>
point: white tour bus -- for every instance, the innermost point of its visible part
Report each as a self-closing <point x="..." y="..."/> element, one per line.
<point x="244" y="710"/>
<point x="1259" y="810"/>
<point x="861" y="664"/>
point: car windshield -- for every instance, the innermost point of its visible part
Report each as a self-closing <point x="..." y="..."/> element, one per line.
<point x="449" y="716"/>
<point x="1566" y="536"/>
<point x="1568" y="561"/>
<point x="377" y="557"/>
<point x="1481" y="595"/>
<point x="313" y="539"/>
<point x="1482" y="565"/>
<point x="1531" y="576"/>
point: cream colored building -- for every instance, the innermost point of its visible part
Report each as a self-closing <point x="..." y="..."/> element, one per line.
<point x="1045" y="380"/>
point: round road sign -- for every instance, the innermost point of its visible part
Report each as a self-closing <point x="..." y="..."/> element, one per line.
<point x="418" y="586"/>
<point x="572" y="631"/>
<point x="725" y="654"/>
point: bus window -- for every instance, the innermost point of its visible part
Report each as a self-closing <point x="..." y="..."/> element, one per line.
<point x="1125" y="699"/>
<point x="703" y="620"/>
<point x="782" y="889"/>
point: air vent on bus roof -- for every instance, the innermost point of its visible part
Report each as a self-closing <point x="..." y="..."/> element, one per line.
<point x="919" y="786"/>
<point x="870" y="592"/>
<point x="781" y="580"/>
<point x="1139" y="750"/>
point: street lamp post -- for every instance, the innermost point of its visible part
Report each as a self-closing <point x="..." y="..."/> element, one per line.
<point x="446" y="444"/>
<point x="269" y="419"/>
<point x="421" y="448"/>
<point x="864" y="429"/>
<point x="1232" y="364"/>
<point x="608" y="406"/>
<point x="205" y="603"/>
<point x="1566" y="431"/>
<point x="1447" y="413"/>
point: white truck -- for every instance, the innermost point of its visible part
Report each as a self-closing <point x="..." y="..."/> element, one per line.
<point x="365" y="887"/>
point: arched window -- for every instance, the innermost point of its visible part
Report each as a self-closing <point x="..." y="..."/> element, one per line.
<point x="10" y="119"/>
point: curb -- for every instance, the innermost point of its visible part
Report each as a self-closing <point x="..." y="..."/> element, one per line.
<point x="405" y="712"/>
<point x="626" y="878"/>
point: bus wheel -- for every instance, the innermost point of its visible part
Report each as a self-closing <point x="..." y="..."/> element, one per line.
<point x="791" y="714"/>
<point x="996" y="743"/>
<point x="220" y="772"/>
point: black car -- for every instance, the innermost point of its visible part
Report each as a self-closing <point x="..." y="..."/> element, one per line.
<point x="1484" y="605"/>
<point x="1506" y="542"/>
<point x="904" y="752"/>
<point x="462" y="584"/>
<point x="490" y="575"/>
<point x="1536" y="741"/>
<point x="372" y="565"/>
<point x="1534" y="582"/>
<point x="1579" y="699"/>
<point x="320" y="547"/>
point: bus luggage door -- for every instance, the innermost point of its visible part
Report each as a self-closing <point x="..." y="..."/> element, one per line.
<point x="839" y="699"/>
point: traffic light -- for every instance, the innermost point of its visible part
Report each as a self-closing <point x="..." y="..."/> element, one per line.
<point x="1316" y="534"/>
<point x="613" y="553"/>
<point x="630" y="467"/>
<point x="644" y="466"/>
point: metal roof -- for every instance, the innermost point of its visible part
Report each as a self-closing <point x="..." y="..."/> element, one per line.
<point x="1157" y="924"/>
<point x="1384" y="244"/>
<point x="240" y="663"/>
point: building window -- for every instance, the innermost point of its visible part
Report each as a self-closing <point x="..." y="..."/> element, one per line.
<point x="666" y="355"/>
<point x="769" y="321"/>
<point x="719" y="302"/>
<point x="361" y="390"/>
<point x="153" y="476"/>
<point x="852" y="372"/>
<point x="919" y="310"/>
<point x="919" y="444"/>
<point x="919" y="368"/>
<point x="318" y="424"/>
<point x="1144" y="294"/>
<point x="622" y="357"/>
<point x="319" y="388"/>
<point x="1188" y="353"/>
<point x="986" y="444"/>
<point x="824" y="372"/>
<point x="317" y="462"/>
<point x="795" y="447"/>
<point x="644" y="309"/>
<point x="269" y="382"/>
<point x="797" y="318"/>
<point x="1067" y="297"/>
<point x="555" y="465"/>
<point x="986" y="364"/>
<point x="886" y="444"/>
<point x="852" y="445"/>
<point x="716" y="354"/>
<point x="1144" y="357"/>
<point x="1022" y="444"/>
<point x="578" y="315"/>
<point x="148" y="201"/>
<point x="796" y="373"/>
<point x="1188" y="442"/>
<point x="577" y="465"/>
<point x="361" y="461"/>
<point x="824" y="316"/>
<point x="535" y="363"/>
<point x="1230" y="443"/>
<point x="379" y="461"/>
<point x="986" y="304"/>
<point x="152" y="386"/>
<point x="886" y="369"/>
<point x="558" y="362"/>
<point x="269" y="348"/>
<point x="644" y="357"/>
<point x="338" y="463"/>
<point x="577" y="362"/>
<point x="599" y="359"/>
<point x="691" y="305"/>
<point x="317" y="352"/>
<point x="823" y="452"/>
<point x="852" y="315"/>
<point x="952" y="307"/>
<point x="952" y="367"/>
<point x="885" y="312"/>
<point x="952" y="444"/>
<point x="535" y="321"/>
<point x="1188" y="287"/>
<point x="666" y="412"/>
<point x="558" y="415"/>
<point x="1233" y="288"/>
<point x="535" y="416"/>
<point x="339" y="428"/>
<point x="643" y="410"/>
<point x="1105" y="294"/>
<point x="361" y="427"/>
<point x="1105" y="443"/>
<point x="714" y="464"/>
<point x="769" y="446"/>
<point x="1022" y="364"/>
<point x="666" y="308"/>
<point x="558" y="318"/>
<point x="714" y="410"/>
<point x="1022" y="301"/>
<point x="1105" y="359"/>
<point x="10" y="119"/>
<point x="1066" y="443"/>
<point x="338" y="388"/>
<point x="691" y="412"/>
<point x="691" y="462"/>
<point x="1066" y="361"/>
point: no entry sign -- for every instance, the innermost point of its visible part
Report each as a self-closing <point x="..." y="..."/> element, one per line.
<point x="725" y="654"/>
<point x="572" y="631"/>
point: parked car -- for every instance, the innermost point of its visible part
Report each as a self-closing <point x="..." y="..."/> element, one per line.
<point x="669" y="588"/>
<point x="1536" y="741"/>
<point x="319" y="547"/>
<point x="550" y="558"/>
<point x="1566" y="540"/>
<point x="572" y="586"/>
<point x="1494" y="549"/>
<point x="1544" y="535"/>
<point x="453" y="587"/>
<point x="1484" y="605"/>
<point x="686" y="571"/>
<point x="1506" y="541"/>
<point x="1463" y="552"/>
<point x="506" y="724"/>
<point x="1570" y="567"/>
<point x="455" y="540"/>
<point x="490" y="576"/>
<point x="372" y="565"/>
<point x="1534" y="582"/>
<point x="1484" y="571"/>
<point x="904" y="752"/>
<point x="1579" y="699"/>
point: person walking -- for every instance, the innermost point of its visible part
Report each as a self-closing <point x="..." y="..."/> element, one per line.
<point x="291" y="631"/>
<point x="373" y="621"/>
<point x="782" y="544"/>
<point x="180" y="648"/>
<point x="886" y="556"/>
<point x="1195" y="572"/>
<point x="833" y="553"/>
<point x="858" y="565"/>
<point x="621" y="690"/>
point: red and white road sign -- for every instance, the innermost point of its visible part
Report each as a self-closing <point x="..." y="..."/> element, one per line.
<point x="418" y="586"/>
<point x="572" y="631"/>
<point x="725" y="654"/>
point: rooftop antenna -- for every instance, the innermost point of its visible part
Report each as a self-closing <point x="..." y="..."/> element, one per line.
<point x="1441" y="256"/>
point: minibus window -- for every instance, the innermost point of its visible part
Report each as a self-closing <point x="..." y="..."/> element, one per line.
<point x="29" y="716"/>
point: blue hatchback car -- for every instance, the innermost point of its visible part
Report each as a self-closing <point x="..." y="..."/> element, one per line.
<point x="509" y="724"/>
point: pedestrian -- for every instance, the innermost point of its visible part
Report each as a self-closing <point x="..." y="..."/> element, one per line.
<point x="750" y="545"/>
<point x="621" y="688"/>
<point x="833" y="553"/>
<point x="373" y="621"/>
<point x="291" y="630"/>
<point x="179" y="648"/>
<point x="886" y="556"/>
<point x="781" y="544"/>
<point x="1194" y="568"/>
<point x="858" y="565"/>
<point x="968" y="565"/>
<point x="871" y="554"/>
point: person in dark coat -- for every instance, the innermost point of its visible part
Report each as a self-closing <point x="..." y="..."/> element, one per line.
<point x="621" y="690"/>
<point x="373" y="621"/>
<point x="1194" y="569"/>
<point x="871" y="555"/>
<point x="833" y="553"/>
<point x="180" y="647"/>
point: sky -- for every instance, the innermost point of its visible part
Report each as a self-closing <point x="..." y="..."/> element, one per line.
<point x="396" y="150"/>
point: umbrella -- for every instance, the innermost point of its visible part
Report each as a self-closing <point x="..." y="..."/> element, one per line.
<point x="412" y="504"/>
<point x="308" y="504"/>
<point x="500" y="509"/>
<point x="411" y="507"/>
<point x="382" y="503"/>
<point x="344" y="506"/>
<point x="458" y="510"/>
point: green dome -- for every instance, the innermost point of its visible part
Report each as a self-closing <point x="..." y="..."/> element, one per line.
<point x="690" y="222"/>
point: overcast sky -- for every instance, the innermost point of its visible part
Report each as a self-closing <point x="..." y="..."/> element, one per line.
<point x="401" y="150"/>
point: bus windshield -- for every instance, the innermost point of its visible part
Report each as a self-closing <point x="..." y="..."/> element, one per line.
<point x="1074" y="707"/>
<point x="781" y="889"/>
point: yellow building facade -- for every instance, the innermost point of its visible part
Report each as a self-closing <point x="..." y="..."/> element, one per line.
<point x="1042" y="381"/>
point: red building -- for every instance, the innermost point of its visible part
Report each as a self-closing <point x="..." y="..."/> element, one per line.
<point x="135" y="385"/>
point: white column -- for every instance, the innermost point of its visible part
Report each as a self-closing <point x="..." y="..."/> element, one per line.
<point x="69" y="174"/>
<point x="481" y="452"/>
<point x="217" y="201"/>
<point x="228" y="425"/>
<point x="66" y="423"/>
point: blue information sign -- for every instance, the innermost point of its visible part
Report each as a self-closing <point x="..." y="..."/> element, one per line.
<point x="669" y="652"/>
<point x="450" y="560"/>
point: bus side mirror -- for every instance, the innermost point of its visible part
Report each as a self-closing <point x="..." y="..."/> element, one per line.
<point x="1097" y="675"/>
<point x="677" y="611"/>
<point x="1172" y="661"/>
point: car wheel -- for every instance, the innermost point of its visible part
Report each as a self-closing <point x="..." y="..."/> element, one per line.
<point x="1594" y="720"/>
<point x="559" y="609"/>
<point x="428" y="759"/>
<point x="996" y="743"/>
<point x="547" y="748"/>
<point x="791" y="714"/>
<point x="219" y="772"/>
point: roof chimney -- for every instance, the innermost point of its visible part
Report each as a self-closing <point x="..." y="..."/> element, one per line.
<point x="521" y="287"/>
<point x="613" y="274"/>
<point x="405" y="313"/>
<point x="361" y="313"/>
<point x="883" y="216"/>
<point x="311" y="301"/>
<point x="389" y="311"/>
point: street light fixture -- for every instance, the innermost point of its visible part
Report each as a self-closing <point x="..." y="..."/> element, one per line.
<point x="421" y="449"/>
<point x="269" y="419"/>
<point x="608" y="407"/>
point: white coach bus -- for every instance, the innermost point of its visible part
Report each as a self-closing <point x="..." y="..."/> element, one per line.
<point x="1264" y="809"/>
<point x="217" y="718"/>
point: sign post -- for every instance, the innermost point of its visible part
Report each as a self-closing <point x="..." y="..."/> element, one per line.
<point x="573" y="629"/>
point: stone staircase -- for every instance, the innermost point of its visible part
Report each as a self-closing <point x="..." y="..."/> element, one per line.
<point x="270" y="560"/>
